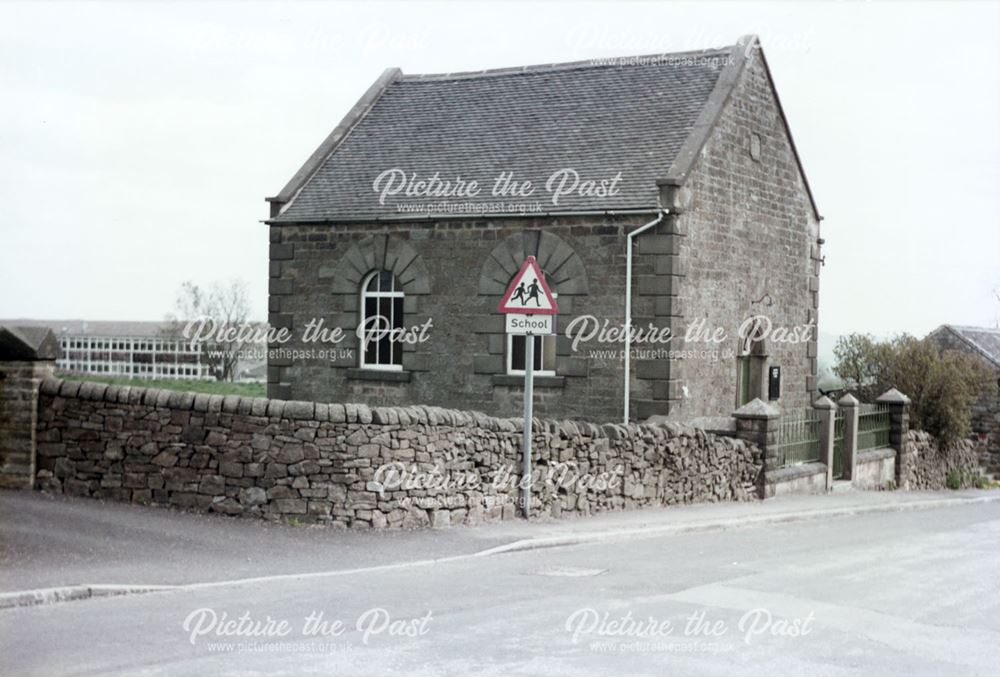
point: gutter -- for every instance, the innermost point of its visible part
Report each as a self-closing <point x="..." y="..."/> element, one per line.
<point x="630" y="237"/>
<point x="463" y="217"/>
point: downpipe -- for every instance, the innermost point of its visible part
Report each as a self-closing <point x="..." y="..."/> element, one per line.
<point x="630" y="238"/>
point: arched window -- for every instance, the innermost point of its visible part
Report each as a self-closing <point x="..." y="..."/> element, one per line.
<point x="381" y="322"/>
<point x="545" y="351"/>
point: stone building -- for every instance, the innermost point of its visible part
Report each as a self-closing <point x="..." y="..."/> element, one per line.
<point x="984" y="344"/>
<point x="421" y="204"/>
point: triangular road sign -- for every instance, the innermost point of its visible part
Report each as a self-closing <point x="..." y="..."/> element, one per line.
<point x="528" y="293"/>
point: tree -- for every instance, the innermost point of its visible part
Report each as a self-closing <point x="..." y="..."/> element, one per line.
<point x="206" y="315"/>
<point x="942" y="385"/>
<point x="861" y="364"/>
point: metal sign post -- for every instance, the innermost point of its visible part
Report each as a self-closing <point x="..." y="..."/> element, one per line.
<point x="529" y="378"/>
<point x="530" y="309"/>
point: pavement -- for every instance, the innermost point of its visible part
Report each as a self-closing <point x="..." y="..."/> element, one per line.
<point x="855" y="583"/>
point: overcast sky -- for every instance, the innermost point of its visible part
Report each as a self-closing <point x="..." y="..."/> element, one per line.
<point x="137" y="141"/>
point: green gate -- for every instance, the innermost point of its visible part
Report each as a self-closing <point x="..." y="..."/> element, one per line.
<point x="797" y="438"/>
<point x="874" y="422"/>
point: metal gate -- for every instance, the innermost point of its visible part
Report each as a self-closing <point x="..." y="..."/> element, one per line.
<point x="838" y="446"/>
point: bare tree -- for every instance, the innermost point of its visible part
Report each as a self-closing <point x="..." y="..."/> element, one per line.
<point x="214" y="317"/>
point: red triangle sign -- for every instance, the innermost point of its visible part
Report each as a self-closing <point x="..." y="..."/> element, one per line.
<point x="528" y="292"/>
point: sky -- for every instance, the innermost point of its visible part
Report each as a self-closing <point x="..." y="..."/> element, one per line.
<point x="138" y="140"/>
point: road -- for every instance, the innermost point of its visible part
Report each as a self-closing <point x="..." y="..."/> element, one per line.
<point x="905" y="593"/>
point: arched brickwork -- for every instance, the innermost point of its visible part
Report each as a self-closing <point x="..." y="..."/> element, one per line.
<point x="381" y="252"/>
<point x="557" y="258"/>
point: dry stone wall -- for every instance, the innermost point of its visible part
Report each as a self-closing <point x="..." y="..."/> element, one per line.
<point x="929" y="465"/>
<point x="362" y="467"/>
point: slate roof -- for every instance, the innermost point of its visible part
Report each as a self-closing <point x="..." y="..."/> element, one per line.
<point x="628" y="117"/>
<point x="981" y="340"/>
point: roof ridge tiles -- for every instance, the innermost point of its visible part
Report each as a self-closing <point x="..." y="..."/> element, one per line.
<point x="594" y="62"/>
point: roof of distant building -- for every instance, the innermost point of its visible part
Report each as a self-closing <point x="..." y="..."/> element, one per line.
<point x="982" y="340"/>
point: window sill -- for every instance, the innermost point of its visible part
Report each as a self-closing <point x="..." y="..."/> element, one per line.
<point x="537" y="381"/>
<point x="357" y="374"/>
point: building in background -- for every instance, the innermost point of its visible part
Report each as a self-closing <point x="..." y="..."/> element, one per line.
<point x="142" y="350"/>
<point x="984" y="344"/>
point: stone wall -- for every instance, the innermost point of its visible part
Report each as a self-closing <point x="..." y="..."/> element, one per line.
<point x="928" y="465"/>
<point x="750" y="235"/>
<point x="454" y="274"/>
<point x="986" y="427"/>
<point x="319" y="462"/>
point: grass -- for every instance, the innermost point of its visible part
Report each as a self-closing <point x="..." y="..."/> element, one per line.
<point x="956" y="480"/>
<point x="209" y="387"/>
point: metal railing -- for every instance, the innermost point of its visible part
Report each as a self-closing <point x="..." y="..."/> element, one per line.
<point x="798" y="438"/>
<point x="873" y="426"/>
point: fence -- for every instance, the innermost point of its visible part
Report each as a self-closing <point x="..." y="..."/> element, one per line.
<point x="811" y="448"/>
<point x="874" y="422"/>
<point x="797" y="438"/>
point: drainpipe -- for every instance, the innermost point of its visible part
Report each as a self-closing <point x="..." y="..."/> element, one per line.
<point x="628" y="303"/>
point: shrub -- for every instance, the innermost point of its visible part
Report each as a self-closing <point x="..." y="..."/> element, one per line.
<point x="941" y="385"/>
<point x="954" y="480"/>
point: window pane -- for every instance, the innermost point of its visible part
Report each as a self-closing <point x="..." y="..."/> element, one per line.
<point x="397" y="312"/>
<point x="372" y="284"/>
<point x="517" y="353"/>
<point x="385" y="281"/>
<point x="538" y="353"/>
<point x="384" y="350"/>
<point x="549" y="353"/>
<point x="371" y="353"/>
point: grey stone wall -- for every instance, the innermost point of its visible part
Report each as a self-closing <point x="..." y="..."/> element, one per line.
<point x="319" y="462"/>
<point x="750" y="230"/>
<point x="454" y="273"/>
<point x="928" y="465"/>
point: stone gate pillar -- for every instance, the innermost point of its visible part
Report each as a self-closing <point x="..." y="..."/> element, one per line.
<point x="899" y="428"/>
<point x="849" y="405"/>
<point x="27" y="356"/>
<point x="757" y="423"/>
<point x="827" y="412"/>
